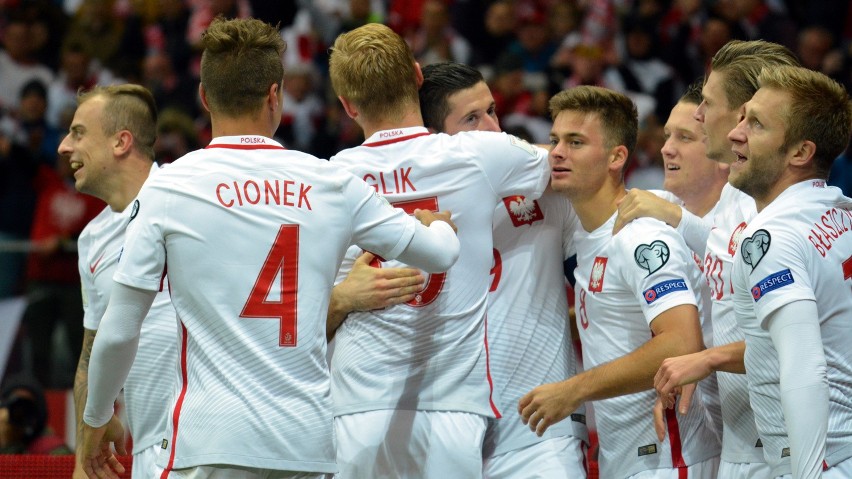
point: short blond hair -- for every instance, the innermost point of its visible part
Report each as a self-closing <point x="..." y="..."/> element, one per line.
<point x="819" y="111"/>
<point x="373" y="68"/>
<point x="127" y="107"/>
<point x="741" y="62"/>
<point x="241" y="60"/>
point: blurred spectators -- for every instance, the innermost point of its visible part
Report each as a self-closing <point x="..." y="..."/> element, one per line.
<point x="18" y="64"/>
<point x="23" y="420"/>
<point x="435" y="40"/>
<point x="76" y="73"/>
<point x="53" y="281"/>
<point x="33" y="131"/>
<point x="176" y="135"/>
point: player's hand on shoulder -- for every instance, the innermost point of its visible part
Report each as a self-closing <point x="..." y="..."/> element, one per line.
<point x="645" y="204"/>
<point x="427" y="217"/>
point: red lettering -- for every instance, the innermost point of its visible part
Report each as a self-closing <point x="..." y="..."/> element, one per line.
<point x="303" y="195"/>
<point x="405" y="180"/>
<point x="246" y="192"/>
<point x="384" y="185"/>
<point x="268" y="190"/>
<point x="825" y="220"/>
<point x="371" y="180"/>
<point x="824" y="238"/>
<point x="287" y="193"/>
<point x="237" y="191"/>
<point x="819" y="248"/>
<point x="219" y="195"/>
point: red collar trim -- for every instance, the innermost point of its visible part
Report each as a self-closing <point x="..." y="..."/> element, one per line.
<point x="396" y="140"/>
<point x="245" y="147"/>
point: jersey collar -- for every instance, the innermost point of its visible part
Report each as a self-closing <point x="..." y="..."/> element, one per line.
<point x="246" y="142"/>
<point x="386" y="137"/>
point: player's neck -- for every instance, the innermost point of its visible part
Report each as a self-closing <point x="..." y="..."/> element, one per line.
<point x="595" y="210"/>
<point x="409" y="119"/>
<point x="245" y="125"/>
<point x="702" y="201"/>
<point x="130" y="181"/>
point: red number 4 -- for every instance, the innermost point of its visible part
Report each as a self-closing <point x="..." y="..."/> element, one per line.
<point x="283" y="257"/>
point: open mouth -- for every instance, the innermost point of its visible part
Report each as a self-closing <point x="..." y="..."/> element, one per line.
<point x="672" y="167"/>
<point x="76" y="165"/>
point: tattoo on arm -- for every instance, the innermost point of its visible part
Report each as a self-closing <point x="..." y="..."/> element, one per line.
<point x="81" y="379"/>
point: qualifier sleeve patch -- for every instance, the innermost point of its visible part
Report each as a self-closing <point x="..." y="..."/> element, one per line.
<point x="771" y="283"/>
<point x="652" y="257"/>
<point x="663" y="288"/>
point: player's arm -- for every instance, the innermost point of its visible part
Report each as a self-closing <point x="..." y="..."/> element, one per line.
<point x="688" y="369"/>
<point x="677" y="331"/>
<point x="795" y="332"/>
<point x="113" y="351"/>
<point x="366" y="288"/>
<point x="434" y="247"/>
<point x="645" y="204"/>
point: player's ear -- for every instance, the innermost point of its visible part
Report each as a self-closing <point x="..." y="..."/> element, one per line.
<point x="123" y="143"/>
<point x="350" y="109"/>
<point x="203" y="95"/>
<point x="418" y="74"/>
<point x="618" y="157"/>
<point x="803" y="154"/>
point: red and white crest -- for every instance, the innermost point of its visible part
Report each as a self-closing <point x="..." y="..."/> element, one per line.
<point x="596" y="279"/>
<point x="522" y="211"/>
<point x="734" y="242"/>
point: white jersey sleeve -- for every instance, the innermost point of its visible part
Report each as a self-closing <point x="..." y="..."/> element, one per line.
<point x="660" y="268"/>
<point x="512" y="166"/>
<point x="797" y="249"/>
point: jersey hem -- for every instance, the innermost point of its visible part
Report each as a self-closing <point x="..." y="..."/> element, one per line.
<point x="427" y="406"/>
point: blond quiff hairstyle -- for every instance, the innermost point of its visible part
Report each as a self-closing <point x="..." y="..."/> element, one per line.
<point x="373" y="68"/>
<point x="741" y="62"/>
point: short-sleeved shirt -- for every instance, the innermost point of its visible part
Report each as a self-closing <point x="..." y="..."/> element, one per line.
<point x="149" y="385"/>
<point x="622" y="283"/>
<point x="798" y="248"/>
<point x="431" y="354"/>
<point x="528" y="333"/>
<point x="252" y="236"/>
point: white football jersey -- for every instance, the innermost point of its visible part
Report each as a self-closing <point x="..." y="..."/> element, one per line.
<point x="528" y="334"/>
<point x="431" y="354"/>
<point x="149" y="387"/>
<point x="622" y="283"/>
<point x="735" y="209"/>
<point x="798" y="248"/>
<point x="252" y="236"/>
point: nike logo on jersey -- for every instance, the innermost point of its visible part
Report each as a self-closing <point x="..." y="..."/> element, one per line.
<point x="93" y="267"/>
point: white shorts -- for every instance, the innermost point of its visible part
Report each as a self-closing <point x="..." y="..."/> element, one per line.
<point x="397" y="444"/>
<point x="744" y="470"/>
<point x="224" y="471"/>
<point x="145" y="463"/>
<point x="555" y="458"/>
<point x="703" y="470"/>
<point x="839" y="471"/>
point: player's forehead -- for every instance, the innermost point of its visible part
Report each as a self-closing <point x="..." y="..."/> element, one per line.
<point x="569" y="123"/>
<point x="466" y="99"/>
<point x="713" y="90"/>
<point x="682" y="117"/>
